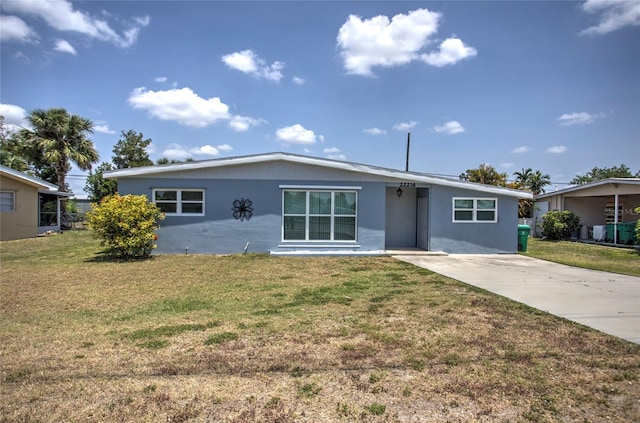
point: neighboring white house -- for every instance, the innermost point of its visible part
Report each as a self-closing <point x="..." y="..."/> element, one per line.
<point x="595" y="203"/>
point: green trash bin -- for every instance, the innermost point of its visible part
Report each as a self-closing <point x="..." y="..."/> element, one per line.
<point x="611" y="229"/>
<point x="627" y="233"/>
<point x="523" y="237"/>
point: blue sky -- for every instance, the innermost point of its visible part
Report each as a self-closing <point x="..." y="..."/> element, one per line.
<point x="554" y="86"/>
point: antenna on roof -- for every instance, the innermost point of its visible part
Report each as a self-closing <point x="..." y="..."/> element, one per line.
<point x="408" y="147"/>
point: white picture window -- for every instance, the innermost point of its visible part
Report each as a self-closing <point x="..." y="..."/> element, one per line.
<point x="319" y="215"/>
<point x="180" y="202"/>
<point x="7" y="201"/>
<point x="475" y="210"/>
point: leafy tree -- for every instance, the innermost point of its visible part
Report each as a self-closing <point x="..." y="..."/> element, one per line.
<point x="164" y="161"/>
<point x="558" y="225"/>
<point x="11" y="149"/>
<point x="597" y="174"/>
<point x="58" y="139"/>
<point x="130" y="150"/>
<point x="485" y="174"/>
<point x="97" y="187"/>
<point x="126" y="225"/>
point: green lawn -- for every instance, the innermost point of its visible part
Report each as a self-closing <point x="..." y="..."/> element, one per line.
<point x="589" y="256"/>
<point x="194" y="338"/>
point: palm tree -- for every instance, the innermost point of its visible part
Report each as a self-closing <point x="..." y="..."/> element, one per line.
<point x="522" y="178"/>
<point x="61" y="139"/>
<point x="537" y="182"/>
<point x="532" y="181"/>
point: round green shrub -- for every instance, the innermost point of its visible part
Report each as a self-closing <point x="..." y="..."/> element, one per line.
<point x="558" y="225"/>
<point x="126" y="224"/>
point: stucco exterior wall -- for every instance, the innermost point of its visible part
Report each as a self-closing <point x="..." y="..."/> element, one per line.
<point x="381" y="217"/>
<point x="218" y="232"/>
<point x="472" y="238"/>
<point x="23" y="221"/>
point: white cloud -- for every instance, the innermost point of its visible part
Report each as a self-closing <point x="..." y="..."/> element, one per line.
<point x="334" y="153"/>
<point x="451" y="127"/>
<point x="63" y="46"/>
<point x="244" y="61"/>
<point x="556" y="149"/>
<point x="506" y="165"/>
<point x="161" y="79"/>
<point x="151" y="148"/>
<point x="179" y="152"/>
<point x="297" y="134"/>
<point x="298" y="80"/>
<point x="205" y="150"/>
<point x="374" y="131"/>
<point x="405" y="126"/>
<point x="180" y="105"/>
<point x="380" y="41"/>
<point x="612" y="15"/>
<point x="22" y="57"/>
<point x="244" y="123"/>
<point x="103" y="128"/>
<point x="247" y="61"/>
<point x="520" y="150"/>
<point x="579" y="118"/>
<point x="176" y="152"/>
<point x="15" y="117"/>
<point x="61" y="15"/>
<point x="14" y="28"/>
<point x="452" y="50"/>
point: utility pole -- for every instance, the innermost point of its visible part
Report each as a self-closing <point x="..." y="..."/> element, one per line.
<point x="408" y="148"/>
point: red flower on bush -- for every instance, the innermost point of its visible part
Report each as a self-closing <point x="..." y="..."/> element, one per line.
<point x="155" y="237"/>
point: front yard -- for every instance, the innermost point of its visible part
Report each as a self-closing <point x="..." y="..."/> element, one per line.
<point x="590" y="256"/>
<point x="258" y="338"/>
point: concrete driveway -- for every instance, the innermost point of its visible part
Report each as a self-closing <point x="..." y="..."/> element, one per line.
<point x="604" y="301"/>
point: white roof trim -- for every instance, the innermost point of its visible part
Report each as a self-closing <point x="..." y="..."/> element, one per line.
<point x="622" y="181"/>
<point x="327" y="163"/>
<point x="30" y="180"/>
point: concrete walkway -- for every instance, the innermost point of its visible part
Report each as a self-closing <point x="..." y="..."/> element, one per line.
<point x="604" y="301"/>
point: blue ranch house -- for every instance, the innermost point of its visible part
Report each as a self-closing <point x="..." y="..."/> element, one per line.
<point x="281" y="203"/>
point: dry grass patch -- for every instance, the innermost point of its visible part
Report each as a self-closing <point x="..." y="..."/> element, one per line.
<point x="257" y="338"/>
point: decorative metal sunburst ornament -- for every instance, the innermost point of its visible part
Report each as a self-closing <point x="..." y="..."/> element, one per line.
<point x="242" y="209"/>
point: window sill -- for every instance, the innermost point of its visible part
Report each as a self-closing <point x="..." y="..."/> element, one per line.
<point x="335" y="244"/>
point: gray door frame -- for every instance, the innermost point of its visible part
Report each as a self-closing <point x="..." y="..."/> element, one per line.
<point x="422" y="219"/>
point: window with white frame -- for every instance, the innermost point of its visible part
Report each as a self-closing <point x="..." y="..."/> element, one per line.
<point x="319" y="215"/>
<point x="7" y="201"/>
<point x="180" y="202"/>
<point x="475" y="210"/>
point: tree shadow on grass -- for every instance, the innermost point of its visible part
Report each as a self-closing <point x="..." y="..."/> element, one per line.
<point x="109" y="256"/>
